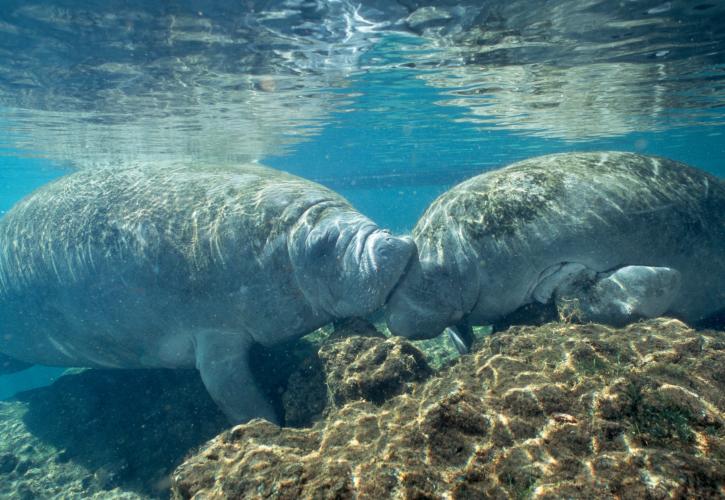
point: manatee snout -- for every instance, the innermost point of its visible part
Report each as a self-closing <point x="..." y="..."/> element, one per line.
<point x="407" y="319"/>
<point x="381" y="266"/>
<point x="370" y="268"/>
<point x="390" y="254"/>
<point x="415" y="309"/>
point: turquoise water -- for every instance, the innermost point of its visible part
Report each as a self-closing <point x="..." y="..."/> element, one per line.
<point x="391" y="163"/>
<point x="388" y="103"/>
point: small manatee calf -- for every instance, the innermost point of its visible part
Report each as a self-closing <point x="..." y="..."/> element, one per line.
<point x="606" y="237"/>
<point x="183" y="268"/>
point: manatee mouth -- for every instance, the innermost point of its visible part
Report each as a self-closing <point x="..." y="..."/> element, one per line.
<point x="391" y="257"/>
<point x="416" y="308"/>
<point x="413" y="319"/>
<point x="370" y="268"/>
<point x="406" y="269"/>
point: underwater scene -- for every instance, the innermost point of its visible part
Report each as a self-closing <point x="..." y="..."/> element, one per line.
<point x="364" y="249"/>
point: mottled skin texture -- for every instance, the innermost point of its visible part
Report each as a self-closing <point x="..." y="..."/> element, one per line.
<point x="487" y="244"/>
<point x="183" y="268"/>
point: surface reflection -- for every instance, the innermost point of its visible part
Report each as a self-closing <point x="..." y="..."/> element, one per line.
<point x="104" y="83"/>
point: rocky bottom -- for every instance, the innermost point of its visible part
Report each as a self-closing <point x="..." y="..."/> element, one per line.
<point x="572" y="411"/>
<point x="556" y="411"/>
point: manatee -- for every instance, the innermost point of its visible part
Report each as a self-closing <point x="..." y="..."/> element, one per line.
<point x="186" y="267"/>
<point x="607" y="237"/>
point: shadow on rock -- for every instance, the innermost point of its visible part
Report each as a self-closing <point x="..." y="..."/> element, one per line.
<point x="130" y="428"/>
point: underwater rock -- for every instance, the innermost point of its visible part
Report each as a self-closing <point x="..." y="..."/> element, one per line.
<point x="352" y="360"/>
<point x="354" y="327"/>
<point x="8" y="463"/>
<point x="30" y="467"/>
<point x="301" y="388"/>
<point x="553" y="411"/>
<point x="355" y="361"/>
<point x="371" y="368"/>
<point x="306" y="394"/>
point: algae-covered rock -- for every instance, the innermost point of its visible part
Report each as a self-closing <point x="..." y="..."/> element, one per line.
<point x="305" y="393"/>
<point x="353" y="362"/>
<point x="354" y="327"/>
<point x="582" y="411"/>
<point x="73" y="438"/>
<point x="371" y="368"/>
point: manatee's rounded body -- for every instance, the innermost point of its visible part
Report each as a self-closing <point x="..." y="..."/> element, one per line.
<point x="510" y="237"/>
<point x="184" y="267"/>
<point x="98" y="267"/>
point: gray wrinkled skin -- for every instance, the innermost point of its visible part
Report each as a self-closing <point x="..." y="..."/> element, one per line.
<point x="621" y="235"/>
<point x="184" y="268"/>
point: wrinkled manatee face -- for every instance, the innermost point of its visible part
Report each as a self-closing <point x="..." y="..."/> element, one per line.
<point x="428" y="299"/>
<point x="347" y="265"/>
<point x="442" y="283"/>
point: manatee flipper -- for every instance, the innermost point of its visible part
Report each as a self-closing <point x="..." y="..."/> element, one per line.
<point x="222" y="359"/>
<point x="462" y="337"/>
<point x="12" y="365"/>
<point x="623" y="296"/>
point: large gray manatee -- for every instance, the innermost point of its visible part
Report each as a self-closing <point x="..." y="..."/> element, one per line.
<point x="184" y="268"/>
<point x="609" y="237"/>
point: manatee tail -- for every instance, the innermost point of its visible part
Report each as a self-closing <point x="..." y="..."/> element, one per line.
<point x="11" y="365"/>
